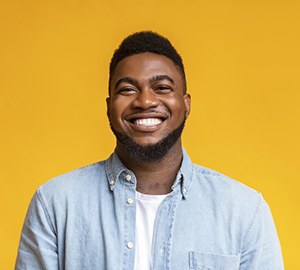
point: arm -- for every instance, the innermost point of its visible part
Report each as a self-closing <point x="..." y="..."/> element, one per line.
<point x="38" y="248"/>
<point x="261" y="248"/>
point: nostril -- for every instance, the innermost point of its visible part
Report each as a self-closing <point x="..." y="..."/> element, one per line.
<point x="146" y="101"/>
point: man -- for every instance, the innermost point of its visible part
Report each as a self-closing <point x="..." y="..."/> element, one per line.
<point x="147" y="206"/>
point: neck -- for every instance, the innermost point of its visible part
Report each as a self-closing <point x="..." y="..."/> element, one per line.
<point x="154" y="177"/>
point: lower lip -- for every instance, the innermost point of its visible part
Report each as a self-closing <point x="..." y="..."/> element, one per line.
<point x="144" y="128"/>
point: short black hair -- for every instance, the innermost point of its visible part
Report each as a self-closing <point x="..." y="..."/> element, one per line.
<point x="146" y="41"/>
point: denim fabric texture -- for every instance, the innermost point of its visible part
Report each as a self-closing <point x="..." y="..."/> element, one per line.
<point x="85" y="219"/>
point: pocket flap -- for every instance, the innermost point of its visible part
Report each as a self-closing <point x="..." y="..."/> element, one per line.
<point x="207" y="261"/>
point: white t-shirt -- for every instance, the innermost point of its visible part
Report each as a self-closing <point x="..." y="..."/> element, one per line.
<point x="146" y="210"/>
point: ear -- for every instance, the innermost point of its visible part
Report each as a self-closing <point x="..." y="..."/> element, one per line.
<point x="107" y="106"/>
<point x="187" y="104"/>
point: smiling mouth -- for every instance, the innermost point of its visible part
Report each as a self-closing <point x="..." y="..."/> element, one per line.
<point x="147" y="121"/>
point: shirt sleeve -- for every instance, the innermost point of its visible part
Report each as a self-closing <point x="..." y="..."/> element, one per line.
<point x="261" y="248"/>
<point x="38" y="244"/>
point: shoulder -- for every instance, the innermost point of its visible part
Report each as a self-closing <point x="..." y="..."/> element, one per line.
<point x="213" y="184"/>
<point x="74" y="183"/>
<point x="228" y="200"/>
<point x="225" y="192"/>
<point x="218" y="182"/>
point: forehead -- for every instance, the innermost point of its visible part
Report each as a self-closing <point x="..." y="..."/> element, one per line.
<point x="145" y="65"/>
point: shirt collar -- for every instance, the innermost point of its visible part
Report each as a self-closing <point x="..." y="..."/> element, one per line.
<point x="184" y="175"/>
<point x="115" y="168"/>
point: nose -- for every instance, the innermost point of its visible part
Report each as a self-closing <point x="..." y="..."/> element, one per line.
<point x="146" y="99"/>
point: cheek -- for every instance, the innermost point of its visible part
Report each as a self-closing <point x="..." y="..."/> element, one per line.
<point x="116" y="108"/>
<point x="116" y="112"/>
<point x="177" y="108"/>
<point x="113" y="113"/>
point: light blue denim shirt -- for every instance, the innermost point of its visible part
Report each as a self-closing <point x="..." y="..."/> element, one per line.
<point x="84" y="220"/>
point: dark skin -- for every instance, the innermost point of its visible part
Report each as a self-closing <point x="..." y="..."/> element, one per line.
<point x="147" y="102"/>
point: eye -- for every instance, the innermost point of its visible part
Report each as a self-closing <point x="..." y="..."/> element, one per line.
<point x="163" y="89"/>
<point x="127" y="91"/>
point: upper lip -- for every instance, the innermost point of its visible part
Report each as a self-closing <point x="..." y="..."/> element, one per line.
<point x="142" y="115"/>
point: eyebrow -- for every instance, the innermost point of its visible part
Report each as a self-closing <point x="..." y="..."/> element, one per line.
<point x="161" y="78"/>
<point x="126" y="79"/>
<point x="151" y="80"/>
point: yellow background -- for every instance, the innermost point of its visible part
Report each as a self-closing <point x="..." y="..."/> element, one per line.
<point x="242" y="62"/>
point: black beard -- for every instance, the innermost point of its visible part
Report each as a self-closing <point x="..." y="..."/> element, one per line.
<point x="152" y="152"/>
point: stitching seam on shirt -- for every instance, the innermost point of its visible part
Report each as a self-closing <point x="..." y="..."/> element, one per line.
<point x="190" y="183"/>
<point x="253" y="218"/>
<point x="41" y="201"/>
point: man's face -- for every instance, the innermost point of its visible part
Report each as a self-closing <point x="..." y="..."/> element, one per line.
<point x="147" y="100"/>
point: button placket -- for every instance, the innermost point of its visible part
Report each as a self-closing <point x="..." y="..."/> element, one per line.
<point x="129" y="200"/>
<point x="112" y="182"/>
<point x="130" y="245"/>
<point x="129" y="219"/>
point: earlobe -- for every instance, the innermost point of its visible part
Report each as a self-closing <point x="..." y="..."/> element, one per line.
<point x="187" y="103"/>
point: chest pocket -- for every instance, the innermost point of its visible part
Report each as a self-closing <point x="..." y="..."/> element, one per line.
<point x="206" y="261"/>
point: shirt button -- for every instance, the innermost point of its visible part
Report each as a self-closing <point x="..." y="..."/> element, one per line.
<point x="128" y="177"/>
<point x="129" y="201"/>
<point x="130" y="245"/>
<point x="112" y="182"/>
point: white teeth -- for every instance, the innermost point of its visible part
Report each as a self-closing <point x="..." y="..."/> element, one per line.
<point x="148" y="121"/>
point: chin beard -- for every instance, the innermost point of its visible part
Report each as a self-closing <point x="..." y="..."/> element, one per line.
<point x="152" y="152"/>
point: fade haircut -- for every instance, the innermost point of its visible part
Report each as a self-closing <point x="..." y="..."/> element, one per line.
<point x="146" y="41"/>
